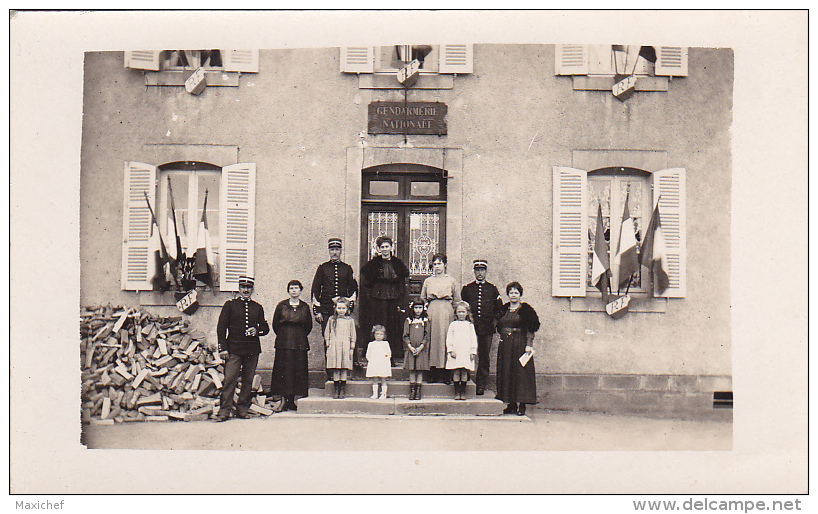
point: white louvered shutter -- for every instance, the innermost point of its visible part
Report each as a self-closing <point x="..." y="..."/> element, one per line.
<point x="456" y="59"/>
<point x="140" y="178"/>
<point x="237" y="212"/>
<point x="240" y="60"/>
<point x="143" y="59"/>
<point x="357" y="59"/>
<point x="571" y="60"/>
<point x="671" y="61"/>
<point x="669" y="187"/>
<point x="570" y="257"/>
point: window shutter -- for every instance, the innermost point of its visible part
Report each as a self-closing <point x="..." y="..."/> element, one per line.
<point x="237" y="211"/>
<point x="571" y="60"/>
<point x="143" y="59"/>
<point x="357" y="59"/>
<point x="140" y="178"/>
<point x="671" y="61"/>
<point x="669" y="187"/>
<point x="240" y="60"/>
<point x="456" y="59"/>
<point x="570" y="258"/>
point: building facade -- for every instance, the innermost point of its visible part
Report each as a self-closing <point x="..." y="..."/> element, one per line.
<point x="499" y="152"/>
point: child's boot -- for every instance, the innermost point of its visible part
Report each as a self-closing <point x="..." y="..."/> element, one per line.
<point x="343" y="389"/>
<point x="413" y="391"/>
<point x="374" y="391"/>
<point x="383" y="391"/>
<point x="336" y="387"/>
<point x="417" y="390"/>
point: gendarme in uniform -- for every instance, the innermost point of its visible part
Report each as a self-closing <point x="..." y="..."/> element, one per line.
<point x="241" y="323"/>
<point x="333" y="279"/>
<point x="485" y="301"/>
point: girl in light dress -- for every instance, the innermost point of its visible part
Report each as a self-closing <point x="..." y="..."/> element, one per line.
<point x="340" y="336"/>
<point x="379" y="364"/>
<point x="461" y="348"/>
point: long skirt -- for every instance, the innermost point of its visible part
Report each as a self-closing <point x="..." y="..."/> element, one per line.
<point x="385" y="312"/>
<point x="441" y="316"/>
<point x="515" y="383"/>
<point x="290" y="375"/>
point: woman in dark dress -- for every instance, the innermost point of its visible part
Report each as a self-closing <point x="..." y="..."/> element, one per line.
<point x="516" y="384"/>
<point x="292" y="321"/>
<point x="385" y="278"/>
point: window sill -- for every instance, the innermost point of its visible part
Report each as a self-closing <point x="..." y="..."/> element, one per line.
<point x="640" y="302"/>
<point x="389" y="81"/>
<point x="205" y="298"/>
<point x="178" y="77"/>
<point x="605" y="83"/>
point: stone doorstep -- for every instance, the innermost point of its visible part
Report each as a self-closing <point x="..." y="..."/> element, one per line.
<point x="400" y="388"/>
<point x="400" y="406"/>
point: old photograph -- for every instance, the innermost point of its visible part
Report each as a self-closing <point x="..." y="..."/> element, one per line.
<point x="409" y="244"/>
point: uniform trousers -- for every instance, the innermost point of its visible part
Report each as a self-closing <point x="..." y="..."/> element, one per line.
<point x="483" y="359"/>
<point x="243" y="366"/>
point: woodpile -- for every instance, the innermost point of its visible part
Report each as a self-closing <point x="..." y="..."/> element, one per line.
<point x="141" y="367"/>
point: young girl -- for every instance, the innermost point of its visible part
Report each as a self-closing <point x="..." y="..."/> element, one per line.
<point x="461" y="348"/>
<point x="416" y="352"/>
<point x="340" y="338"/>
<point x="378" y="356"/>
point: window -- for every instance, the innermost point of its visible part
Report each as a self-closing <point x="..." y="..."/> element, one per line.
<point x="230" y="217"/>
<point x="221" y="66"/>
<point x="576" y="196"/>
<point x="610" y="188"/>
<point x="610" y="60"/>
<point x="434" y="59"/>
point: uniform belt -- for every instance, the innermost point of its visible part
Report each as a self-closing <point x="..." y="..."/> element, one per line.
<point x="512" y="330"/>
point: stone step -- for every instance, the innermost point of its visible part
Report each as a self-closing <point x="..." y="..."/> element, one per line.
<point x="400" y="389"/>
<point x="318" y="403"/>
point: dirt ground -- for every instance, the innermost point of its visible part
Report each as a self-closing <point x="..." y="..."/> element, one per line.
<point x="540" y="430"/>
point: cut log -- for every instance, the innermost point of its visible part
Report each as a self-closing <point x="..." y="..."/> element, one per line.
<point x="260" y="410"/>
<point x="140" y="377"/>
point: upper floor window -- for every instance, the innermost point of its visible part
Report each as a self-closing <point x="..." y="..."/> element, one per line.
<point x="378" y="66"/>
<point x="611" y="60"/>
<point x="221" y="66"/>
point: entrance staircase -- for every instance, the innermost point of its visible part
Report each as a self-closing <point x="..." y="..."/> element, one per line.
<point x="436" y="400"/>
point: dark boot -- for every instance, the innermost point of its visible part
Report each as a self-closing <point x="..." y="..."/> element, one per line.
<point x="417" y="390"/>
<point x="511" y="408"/>
<point x="456" y="386"/>
<point x="343" y="389"/>
<point x="463" y="390"/>
<point x="521" y="410"/>
<point x="336" y="389"/>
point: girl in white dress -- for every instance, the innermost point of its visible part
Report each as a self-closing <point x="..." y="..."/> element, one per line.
<point x="379" y="365"/>
<point x="461" y="348"/>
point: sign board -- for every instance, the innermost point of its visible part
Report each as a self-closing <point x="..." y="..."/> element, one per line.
<point x="618" y="307"/>
<point x="409" y="74"/>
<point x="196" y="83"/>
<point x="407" y="118"/>
<point x="624" y="86"/>
<point x="188" y="303"/>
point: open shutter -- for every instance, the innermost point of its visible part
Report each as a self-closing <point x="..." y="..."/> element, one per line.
<point x="571" y="60"/>
<point x="456" y="59"/>
<point x="357" y="59"/>
<point x="669" y="187"/>
<point x="237" y="212"/>
<point x="570" y="258"/>
<point x="143" y="59"/>
<point x="240" y="60"/>
<point x="671" y="61"/>
<point x="140" y="178"/>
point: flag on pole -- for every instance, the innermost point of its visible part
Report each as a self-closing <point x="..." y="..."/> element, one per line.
<point x="601" y="268"/>
<point x="161" y="270"/>
<point x="625" y="262"/>
<point x="175" y="252"/>
<point x="653" y="255"/>
<point x="204" y="261"/>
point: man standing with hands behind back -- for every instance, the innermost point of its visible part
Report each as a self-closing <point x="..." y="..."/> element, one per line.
<point x="334" y="279"/>
<point x="241" y="322"/>
<point x="484" y="300"/>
